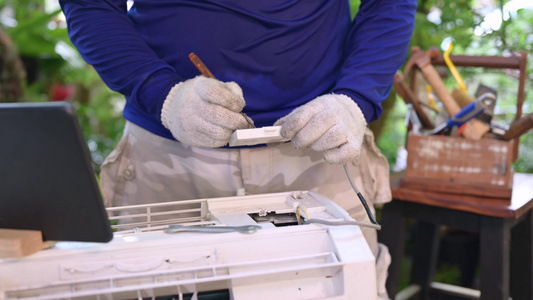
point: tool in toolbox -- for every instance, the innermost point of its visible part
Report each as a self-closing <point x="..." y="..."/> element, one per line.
<point x="453" y="69"/>
<point x="487" y="115"/>
<point x="460" y="94"/>
<point x="431" y="99"/>
<point x="517" y="62"/>
<point x="421" y="59"/>
<point x="412" y="117"/>
<point x="411" y="99"/>
<point x="466" y="114"/>
<point x="519" y="127"/>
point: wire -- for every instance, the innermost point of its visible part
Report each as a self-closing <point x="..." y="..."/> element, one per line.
<point x="339" y="223"/>
<point x="361" y="198"/>
<point x="298" y="213"/>
<point x="308" y="220"/>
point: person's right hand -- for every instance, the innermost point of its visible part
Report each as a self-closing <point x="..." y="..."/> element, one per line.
<point x="204" y="112"/>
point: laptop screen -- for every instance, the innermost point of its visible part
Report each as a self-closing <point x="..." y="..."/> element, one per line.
<point x="47" y="181"/>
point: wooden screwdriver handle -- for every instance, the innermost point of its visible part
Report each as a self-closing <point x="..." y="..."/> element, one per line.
<point x="205" y="71"/>
<point x="200" y="65"/>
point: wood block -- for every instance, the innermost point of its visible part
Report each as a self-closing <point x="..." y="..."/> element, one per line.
<point x="18" y="242"/>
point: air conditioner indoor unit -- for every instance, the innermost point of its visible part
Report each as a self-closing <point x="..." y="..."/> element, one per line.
<point x="294" y="245"/>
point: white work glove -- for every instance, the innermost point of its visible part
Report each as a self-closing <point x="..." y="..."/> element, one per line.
<point x="331" y="123"/>
<point x="204" y="112"/>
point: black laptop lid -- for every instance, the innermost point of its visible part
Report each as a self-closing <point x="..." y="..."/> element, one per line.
<point x="47" y="181"/>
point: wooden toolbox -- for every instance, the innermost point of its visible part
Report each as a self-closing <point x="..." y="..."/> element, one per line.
<point x="451" y="164"/>
<point x="459" y="165"/>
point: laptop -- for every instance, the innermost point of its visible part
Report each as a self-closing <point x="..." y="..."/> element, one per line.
<point x="47" y="181"/>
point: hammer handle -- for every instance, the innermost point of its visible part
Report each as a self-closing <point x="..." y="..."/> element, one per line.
<point x="519" y="127"/>
<point x="474" y="129"/>
<point x="445" y="97"/>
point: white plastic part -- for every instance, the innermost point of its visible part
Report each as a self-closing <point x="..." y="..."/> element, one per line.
<point x="292" y="262"/>
<point x="256" y="136"/>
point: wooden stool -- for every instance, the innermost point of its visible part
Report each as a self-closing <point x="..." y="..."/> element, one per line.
<point x="505" y="228"/>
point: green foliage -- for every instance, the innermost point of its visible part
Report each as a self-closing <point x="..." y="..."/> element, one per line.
<point x="448" y="273"/>
<point x="354" y="7"/>
<point x="102" y="123"/>
<point x="33" y="36"/>
<point x="42" y="42"/>
<point x="520" y="32"/>
<point x="457" y="20"/>
<point x="35" y="39"/>
<point x="393" y="135"/>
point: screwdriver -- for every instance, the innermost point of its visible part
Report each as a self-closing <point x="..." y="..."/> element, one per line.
<point x="472" y="110"/>
<point x="205" y="71"/>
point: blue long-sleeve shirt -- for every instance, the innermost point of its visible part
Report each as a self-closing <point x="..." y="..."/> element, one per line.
<point x="283" y="53"/>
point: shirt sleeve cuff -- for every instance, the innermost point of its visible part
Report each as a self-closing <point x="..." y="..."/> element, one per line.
<point x="369" y="109"/>
<point x="154" y="89"/>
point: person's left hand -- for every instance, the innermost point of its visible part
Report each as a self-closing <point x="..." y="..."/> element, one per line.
<point x="332" y="123"/>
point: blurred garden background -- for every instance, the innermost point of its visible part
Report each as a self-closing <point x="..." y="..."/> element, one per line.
<point x="39" y="63"/>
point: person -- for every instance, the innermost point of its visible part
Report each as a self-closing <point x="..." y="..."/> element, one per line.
<point x="303" y="65"/>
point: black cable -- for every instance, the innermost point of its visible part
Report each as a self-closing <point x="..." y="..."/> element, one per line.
<point x="361" y="198"/>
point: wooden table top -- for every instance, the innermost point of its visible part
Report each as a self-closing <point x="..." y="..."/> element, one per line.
<point x="520" y="202"/>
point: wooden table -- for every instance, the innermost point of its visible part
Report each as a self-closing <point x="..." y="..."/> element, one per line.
<point x="505" y="229"/>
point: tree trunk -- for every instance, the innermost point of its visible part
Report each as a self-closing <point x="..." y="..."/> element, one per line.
<point x="12" y="71"/>
<point x="378" y="125"/>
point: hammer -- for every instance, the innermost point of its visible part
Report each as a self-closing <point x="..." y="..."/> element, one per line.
<point x="519" y="127"/>
<point x="475" y="129"/>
